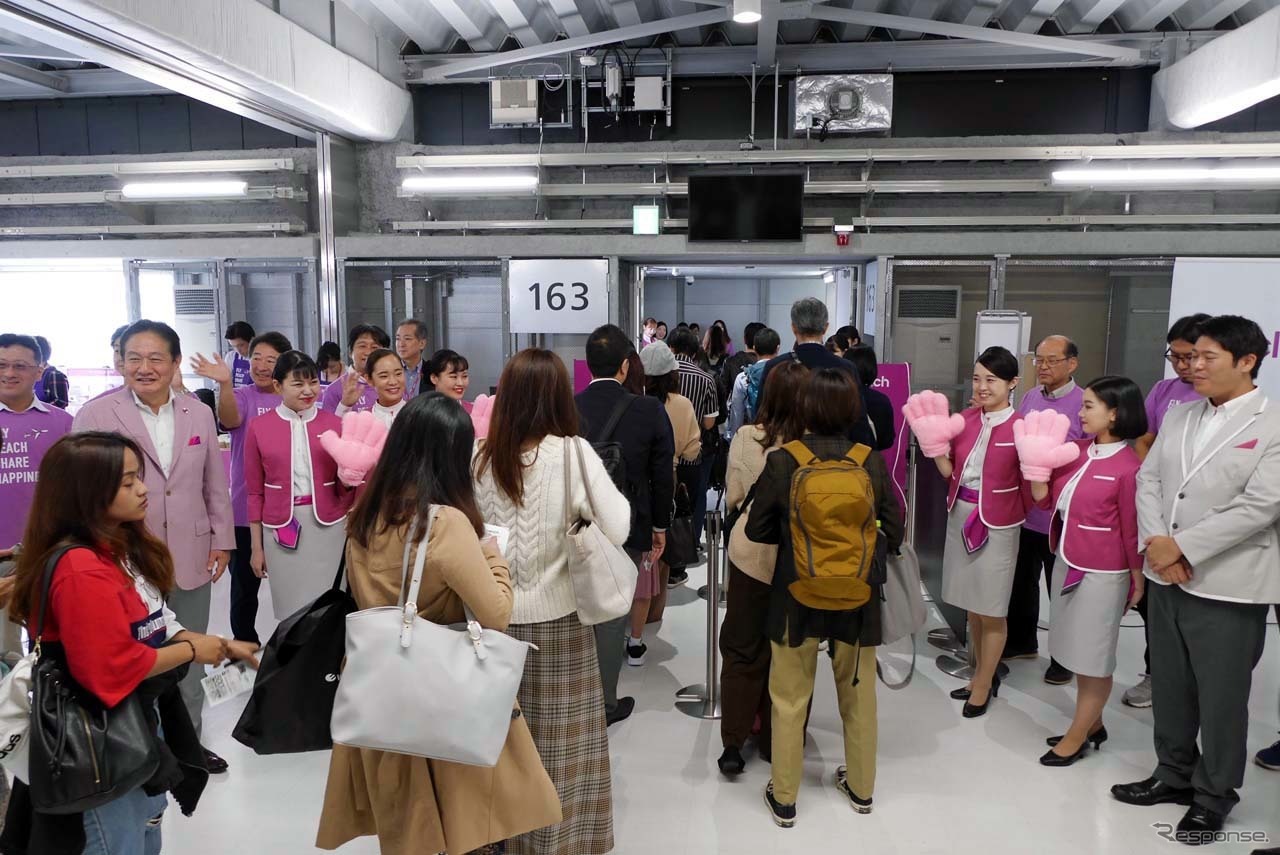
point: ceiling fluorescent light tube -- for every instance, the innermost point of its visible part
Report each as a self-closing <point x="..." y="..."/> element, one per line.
<point x="185" y="190"/>
<point x="746" y="11"/>
<point x="1257" y="174"/>
<point x="469" y="183"/>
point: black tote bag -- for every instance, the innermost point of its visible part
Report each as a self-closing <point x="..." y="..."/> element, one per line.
<point x="681" y="551"/>
<point x="292" y="699"/>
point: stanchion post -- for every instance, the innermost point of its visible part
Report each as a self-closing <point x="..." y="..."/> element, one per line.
<point x="703" y="700"/>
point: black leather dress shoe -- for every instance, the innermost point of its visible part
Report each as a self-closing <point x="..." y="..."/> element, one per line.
<point x="1274" y="850"/>
<point x="215" y="764"/>
<point x="1200" y="825"/>
<point x="1152" y="791"/>
<point x="622" y="712"/>
<point x="731" y="761"/>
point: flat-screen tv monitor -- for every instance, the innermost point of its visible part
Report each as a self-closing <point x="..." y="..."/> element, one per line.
<point x="767" y="207"/>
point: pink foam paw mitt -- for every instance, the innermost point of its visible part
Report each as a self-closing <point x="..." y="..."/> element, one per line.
<point x="481" y="411"/>
<point x="931" y="420"/>
<point x="1041" y="440"/>
<point x="357" y="450"/>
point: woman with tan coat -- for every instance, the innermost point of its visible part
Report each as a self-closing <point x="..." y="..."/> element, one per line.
<point x="415" y="805"/>
<point x="744" y="673"/>
<point x="662" y="381"/>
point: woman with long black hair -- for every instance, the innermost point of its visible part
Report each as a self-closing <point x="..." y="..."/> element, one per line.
<point x="107" y="621"/>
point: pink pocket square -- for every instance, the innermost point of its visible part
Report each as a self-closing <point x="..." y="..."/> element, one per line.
<point x="1247" y="446"/>
<point x="195" y="440"/>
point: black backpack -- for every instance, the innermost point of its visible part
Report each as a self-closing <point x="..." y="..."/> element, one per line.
<point x="610" y="452"/>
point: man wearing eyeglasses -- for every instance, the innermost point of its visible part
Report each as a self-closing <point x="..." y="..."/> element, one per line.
<point x="189" y="503"/>
<point x="1056" y="361"/>
<point x="1162" y="398"/>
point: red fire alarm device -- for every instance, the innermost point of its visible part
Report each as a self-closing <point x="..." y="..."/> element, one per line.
<point x="842" y="238"/>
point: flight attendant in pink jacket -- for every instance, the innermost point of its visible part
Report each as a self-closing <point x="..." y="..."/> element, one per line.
<point x="987" y="503"/>
<point x="1097" y="574"/>
<point x="189" y="505"/>
<point x="297" y="505"/>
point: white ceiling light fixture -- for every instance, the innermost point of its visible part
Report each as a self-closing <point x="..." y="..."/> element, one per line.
<point x="185" y="190"/>
<point x="1262" y="173"/>
<point x="746" y="11"/>
<point x="479" y="182"/>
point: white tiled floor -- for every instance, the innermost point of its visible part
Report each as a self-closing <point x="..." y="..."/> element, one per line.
<point x="946" y="785"/>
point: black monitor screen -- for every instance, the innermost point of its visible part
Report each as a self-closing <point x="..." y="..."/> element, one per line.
<point x="766" y="207"/>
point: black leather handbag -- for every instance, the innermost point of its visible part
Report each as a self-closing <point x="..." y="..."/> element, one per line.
<point x="83" y="754"/>
<point x="681" y="550"/>
<point x="292" y="699"/>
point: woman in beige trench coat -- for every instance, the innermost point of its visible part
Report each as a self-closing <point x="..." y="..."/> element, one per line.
<point x="417" y="806"/>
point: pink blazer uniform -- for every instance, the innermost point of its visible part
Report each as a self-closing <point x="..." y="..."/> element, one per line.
<point x="1004" y="497"/>
<point x="1099" y="532"/>
<point x="268" y="471"/>
<point x="190" y="510"/>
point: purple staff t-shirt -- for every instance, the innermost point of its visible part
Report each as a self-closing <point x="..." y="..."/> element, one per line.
<point x="332" y="396"/>
<point x="252" y="402"/>
<point x="1069" y="405"/>
<point x="1163" y="397"/>
<point x="241" y="370"/>
<point x="24" y="439"/>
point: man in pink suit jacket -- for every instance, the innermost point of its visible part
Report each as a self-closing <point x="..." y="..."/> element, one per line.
<point x="189" y="504"/>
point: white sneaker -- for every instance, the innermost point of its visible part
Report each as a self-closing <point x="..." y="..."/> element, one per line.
<point x="1140" y="695"/>
<point x="635" y="652"/>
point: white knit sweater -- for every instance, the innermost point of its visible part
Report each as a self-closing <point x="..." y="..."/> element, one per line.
<point x="536" y="548"/>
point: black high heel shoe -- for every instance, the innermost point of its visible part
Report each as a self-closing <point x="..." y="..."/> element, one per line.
<point x="961" y="694"/>
<point x="1050" y="758"/>
<point x="1098" y="737"/>
<point x="973" y="710"/>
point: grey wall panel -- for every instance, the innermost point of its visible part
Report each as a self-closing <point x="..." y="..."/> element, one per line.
<point x="164" y="124"/>
<point x="113" y="126"/>
<point x="64" y="127"/>
<point x="784" y="292"/>
<point x="734" y="301"/>
<point x="660" y="301"/>
<point x="260" y="136"/>
<point x="473" y="327"/>
<point x="21" y="134"/>
<point x="212" y="128"/>
<point x="1070" y="302"/>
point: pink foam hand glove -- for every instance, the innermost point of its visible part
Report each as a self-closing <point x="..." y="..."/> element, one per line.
<point x="357" y="450"/>
<point x="929" y="415"/>
<point x="481" y="411"/>
<point x="1041" y="440"/>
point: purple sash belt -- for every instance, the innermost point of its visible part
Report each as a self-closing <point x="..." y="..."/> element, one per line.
<point x="974" y="532"/>
<point x="287" y="535"/>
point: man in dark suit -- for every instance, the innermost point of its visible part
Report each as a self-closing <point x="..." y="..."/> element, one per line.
<point x="640" y="425"/>
<point x="809" y="323"/>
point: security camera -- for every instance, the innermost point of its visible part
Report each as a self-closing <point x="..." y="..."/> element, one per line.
<point x="688" y="280"/>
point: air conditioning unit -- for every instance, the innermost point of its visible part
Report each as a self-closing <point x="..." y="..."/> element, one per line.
<point x="513" y="102"/>
<point x="926" y="333"/>
<point x="195" y="311"/>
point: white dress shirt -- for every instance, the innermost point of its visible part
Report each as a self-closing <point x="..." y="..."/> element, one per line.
<point x="300" y="448"/>
<point x="387" y="415"/>
<point x="1217" y="417"/>
<point x="1095" y="451"/>
<point x="971" y="477"/>
<point x="160" y="428"/>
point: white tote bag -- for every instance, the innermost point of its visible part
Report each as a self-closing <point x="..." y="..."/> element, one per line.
<point x="15" y="717"/>
<point x="411" y="686"/>
<point x="903" y="611"/>
<point x="604" y="576"/>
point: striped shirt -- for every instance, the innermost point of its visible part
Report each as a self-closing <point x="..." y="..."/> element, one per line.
<point x="699" y="387"/>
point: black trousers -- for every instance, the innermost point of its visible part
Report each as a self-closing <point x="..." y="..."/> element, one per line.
<point x="1035" y="558"/>
<point x="244" y="589"/>
<point x="744" y="667"/>
<point x="1204" y="652"/>
<point x="1141" y="608"/>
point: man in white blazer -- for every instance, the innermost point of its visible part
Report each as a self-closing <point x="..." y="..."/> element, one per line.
<point x="1208" y="502"/>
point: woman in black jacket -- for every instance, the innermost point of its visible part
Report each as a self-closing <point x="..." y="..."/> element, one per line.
<point x="829" y="398"/>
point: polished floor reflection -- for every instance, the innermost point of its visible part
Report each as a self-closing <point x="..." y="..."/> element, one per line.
<point x="946" y="785"/>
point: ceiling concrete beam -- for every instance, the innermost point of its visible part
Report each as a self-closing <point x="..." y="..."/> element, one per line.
<point x="1085" y="16"/>
<point x="621" y="34"/>
<point x="1052" y="44"/>
<point x="16" y="71"/>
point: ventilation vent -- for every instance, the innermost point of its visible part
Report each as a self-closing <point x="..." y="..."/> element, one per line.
<point x="193" y="302"/>
<point x="927" y="303"/>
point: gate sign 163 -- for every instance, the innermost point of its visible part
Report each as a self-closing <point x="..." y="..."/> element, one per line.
<point x="558" y="295"/>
